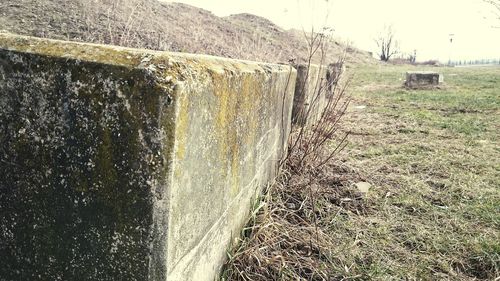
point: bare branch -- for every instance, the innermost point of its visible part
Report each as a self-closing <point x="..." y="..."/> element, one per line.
<point x="386" y="43"/>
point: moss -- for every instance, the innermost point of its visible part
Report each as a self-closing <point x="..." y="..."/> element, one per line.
<point x="250" y="92"/>
<point x="108" y="119"/>
<point x="182" y="126"/>
<point x="236" y="122"/>
<point x="85" y="52"/>
<point x="82" y="172"/>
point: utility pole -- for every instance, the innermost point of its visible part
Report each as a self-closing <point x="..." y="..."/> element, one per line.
<point x="451" y="43"/>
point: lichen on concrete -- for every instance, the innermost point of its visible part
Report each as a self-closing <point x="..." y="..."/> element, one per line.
<point x="422" y="79"/>
<point x="81" y="153"/>
<point x="311" y="93"/>
<point x="123" y="164"/>
<point x="237" y="112"/>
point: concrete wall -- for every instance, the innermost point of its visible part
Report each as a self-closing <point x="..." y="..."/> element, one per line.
<point x="334" y="74"/>
<point x="313" y="89"/>
<point x="232" y="127"/>
<point x="122" y="164"/>
<point x="417" y="79"/>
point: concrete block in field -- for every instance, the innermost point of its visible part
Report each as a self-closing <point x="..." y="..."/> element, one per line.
<point x="124" y="164"/>
<point x="311" y="94"/>
<point x="418" y="79"/>
<point x="334" y="73"/>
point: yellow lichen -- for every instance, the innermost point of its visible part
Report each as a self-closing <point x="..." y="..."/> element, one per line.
<point x="239" y="97"/>
<point x="182" y="126"/>
<point x="106" y="54"/>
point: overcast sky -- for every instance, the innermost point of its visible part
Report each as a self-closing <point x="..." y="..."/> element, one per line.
<point x="423" y="25"/>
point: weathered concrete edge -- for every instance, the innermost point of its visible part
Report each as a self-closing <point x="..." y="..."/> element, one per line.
<point x="253" y="189"/>
<point x="115" y="55"/>
<point x="150" y="61"/>
<point x="310" y="78"/>
<point x="204" y="269"/>
<point x="129" y="59"/>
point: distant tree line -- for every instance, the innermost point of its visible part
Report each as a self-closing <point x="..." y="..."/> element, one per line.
<point x="474" y="62"/>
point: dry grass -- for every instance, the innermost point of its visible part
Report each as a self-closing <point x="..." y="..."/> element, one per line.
<point x="433" y="209"/>
<point x="286" y="239"/>
<point x="159" y="25"/>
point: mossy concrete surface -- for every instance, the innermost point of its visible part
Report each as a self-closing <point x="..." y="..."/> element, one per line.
<point x="123" y="164"/>
<point x="312" y="92"/>
<point x="232" y="127"/>
<point x="417" y="79"/>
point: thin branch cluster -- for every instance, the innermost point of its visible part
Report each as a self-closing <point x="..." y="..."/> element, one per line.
<point x="387" y="44"/>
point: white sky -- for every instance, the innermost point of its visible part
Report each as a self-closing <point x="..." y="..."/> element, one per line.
<point x="423" y="25"/>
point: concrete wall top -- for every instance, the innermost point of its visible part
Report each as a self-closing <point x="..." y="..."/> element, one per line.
<point x="122" y="56"/>
<point x="126" y="164"/>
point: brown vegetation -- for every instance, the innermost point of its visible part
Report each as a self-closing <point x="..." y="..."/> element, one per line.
<point x="285" y="238"/>
<point x="387" y="44"/>
<point x="432" y="209"/>
<point x="161" y="26"/>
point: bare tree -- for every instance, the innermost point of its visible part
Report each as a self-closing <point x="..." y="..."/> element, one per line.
<point x="387" y="44"/>
<point x="413" y="57"/>
<point x="495" y="3"/>
<point x="496" y="6"/>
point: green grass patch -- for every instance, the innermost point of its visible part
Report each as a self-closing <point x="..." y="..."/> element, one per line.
<point x="433" y="158"/>
<point x="432" y="211"/>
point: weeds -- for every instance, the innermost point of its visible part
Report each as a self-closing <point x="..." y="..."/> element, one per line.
<point x="432" y="212"/>
<point x="328" y="96"/>
<point x="284" y="239"/>
<point x="121" y="22"/>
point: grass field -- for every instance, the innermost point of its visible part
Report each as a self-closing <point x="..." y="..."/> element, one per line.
<point x="432" y="212"/>
<point x="433" y="158"/>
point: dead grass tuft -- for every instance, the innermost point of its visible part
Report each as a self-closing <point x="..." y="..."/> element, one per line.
<point x="285" y="239"/>
<point x="432" y="212"/>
